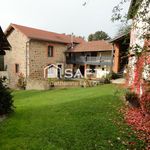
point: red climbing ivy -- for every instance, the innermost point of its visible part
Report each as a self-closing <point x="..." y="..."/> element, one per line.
<point x="139" y="118"/>
<point x="145" y="103"/>
<point x="138" y="74"/>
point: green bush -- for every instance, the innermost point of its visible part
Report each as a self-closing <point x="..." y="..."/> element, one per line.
<point x="132" y="98"/>
<point x="51" y="82"/>
<point x="6" y="101"/>
<point x="105" y="80"/>
<point x="21" y="82"/>
<point x="114" y="75"/>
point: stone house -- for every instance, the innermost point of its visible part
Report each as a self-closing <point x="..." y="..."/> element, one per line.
<point x="33" y="50"/>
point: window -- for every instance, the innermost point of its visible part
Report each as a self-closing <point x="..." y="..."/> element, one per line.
<point x="50" y="51"/>
<point x="17" y="68"/>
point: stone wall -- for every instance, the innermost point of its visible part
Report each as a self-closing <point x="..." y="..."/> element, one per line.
<point x="17" y="55"/>
<point x="33" y="84"/>
<point x="44" y="84"/>
<point x="32" y="57"/>
<point x="38" y="57"/>
<point x="67" y="84"/>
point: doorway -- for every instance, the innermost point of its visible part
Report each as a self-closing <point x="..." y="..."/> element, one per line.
<point x="59" y="70"/>
<point x="82" y="70"/>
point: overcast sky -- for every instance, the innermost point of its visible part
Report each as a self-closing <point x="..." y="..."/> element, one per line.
<point x="62" y="16"/>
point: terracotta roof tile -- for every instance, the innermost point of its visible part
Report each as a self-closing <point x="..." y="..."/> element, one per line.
<point x="39" y="34"/>
<point x="92" y="46"/>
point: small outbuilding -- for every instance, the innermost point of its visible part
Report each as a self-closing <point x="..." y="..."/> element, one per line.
<point x="4" y="45"/>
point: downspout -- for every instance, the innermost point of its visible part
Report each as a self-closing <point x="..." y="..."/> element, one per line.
<point x="27" y="48"/>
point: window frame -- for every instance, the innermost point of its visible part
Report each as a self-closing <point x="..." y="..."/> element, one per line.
<point x="17" y="68"/>
<point x="50" y="52"/>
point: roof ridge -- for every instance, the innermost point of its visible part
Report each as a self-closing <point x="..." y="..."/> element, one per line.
<point x="106" y="41"/>
<point x="45" y="35"/>
<point x="37" y="29"/>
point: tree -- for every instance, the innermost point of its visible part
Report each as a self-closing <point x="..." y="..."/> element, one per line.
<point x="139" y="12"/>
<point x="99" y="35"/>
<point x="6" y="102"/>
<point x="124" y="29"/>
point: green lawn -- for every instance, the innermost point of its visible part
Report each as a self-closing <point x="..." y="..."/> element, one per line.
<point x="67" y="119"/>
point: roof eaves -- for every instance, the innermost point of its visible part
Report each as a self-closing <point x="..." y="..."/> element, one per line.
<point x="47" y="40"/>
<point x="77" y="51"/>
<point x="119" y="37"/>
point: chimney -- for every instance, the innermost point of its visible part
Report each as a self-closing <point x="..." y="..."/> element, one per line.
<point x="72" y="40"/>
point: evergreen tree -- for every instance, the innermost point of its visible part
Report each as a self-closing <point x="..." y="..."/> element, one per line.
<point x="6" y="101"/>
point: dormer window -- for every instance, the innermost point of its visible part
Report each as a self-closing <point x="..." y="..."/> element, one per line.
<point x="50" y="51"/>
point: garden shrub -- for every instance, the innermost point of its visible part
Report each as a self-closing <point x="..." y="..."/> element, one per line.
<point x="132" y="98"/>
<point x="114" y="75"/>
<point x="105" y="80"/>
<point x="21" y="82"/>
<point x="51" y="82"/>
<point x="6" y="101"/>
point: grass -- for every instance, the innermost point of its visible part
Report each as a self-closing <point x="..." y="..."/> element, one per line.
<point x="67" y="119"/>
